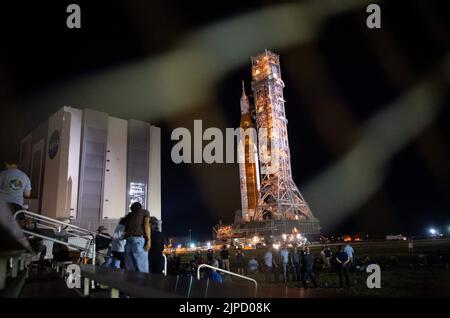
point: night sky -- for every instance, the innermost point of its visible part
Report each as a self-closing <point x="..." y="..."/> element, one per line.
<point x="335" y="83"/>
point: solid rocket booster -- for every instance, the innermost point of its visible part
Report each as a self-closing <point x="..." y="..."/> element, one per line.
<point x="248" y="163"/>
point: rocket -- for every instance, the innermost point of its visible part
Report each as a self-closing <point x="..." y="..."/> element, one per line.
<point x="248" y="163"/>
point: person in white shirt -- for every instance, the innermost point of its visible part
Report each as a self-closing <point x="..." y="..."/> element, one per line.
<point x="253" y="265"/>
<point x="14" y="187"/>
<point x="349" y="251"/>
<point x="284" y="253"/>
<point x="215" y="263"/>
<point x="268" y="265"/>
<point x="118" y="245"/>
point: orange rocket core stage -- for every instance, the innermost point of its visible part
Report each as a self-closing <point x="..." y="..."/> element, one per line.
<point x="250" y="189"/>
<point x="248" y="169"/>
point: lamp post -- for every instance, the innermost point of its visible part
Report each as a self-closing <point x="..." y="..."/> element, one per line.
<point x="190" y="238"/>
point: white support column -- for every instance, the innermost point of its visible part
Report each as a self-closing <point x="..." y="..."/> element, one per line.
<point x="86" y="286"/>
<point x="154" y="175"/>
<point x="15" y="267"/>
<point x="114" y="293"/>
<point x="3" y="268"/>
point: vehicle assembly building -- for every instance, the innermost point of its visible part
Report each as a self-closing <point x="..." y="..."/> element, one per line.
<point x="88" y="167"/>
<point x="271" y="202"/>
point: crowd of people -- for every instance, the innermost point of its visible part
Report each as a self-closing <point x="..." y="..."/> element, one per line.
<point x="299" y="264"/>
<point x="137" y="243"/>
<point x="278" y="265"/>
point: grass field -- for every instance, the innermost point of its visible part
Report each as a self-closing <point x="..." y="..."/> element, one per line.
<point x="402" y="273"/>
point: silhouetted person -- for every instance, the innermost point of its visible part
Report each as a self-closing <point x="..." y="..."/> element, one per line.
<point x="60" y="251"/>
<point x="240" y="261"/>
<point x="102" y="245"/>
<point x="294" y="257"/>
<point x="308" y="268"/>
<point x="210" y="256"/>
<point x="326" y="255"/>
<point x="155" y="254"/>
<point x="268" y="265"/>
<point x="198" y="258"/>
<point x="174" y="264"/>
<point x="284" y="258"/>
<point x="277" y="266"/>
<point x="137" y="233"/>
<point x="225" y="256"/>
<point x="342" y="263"/>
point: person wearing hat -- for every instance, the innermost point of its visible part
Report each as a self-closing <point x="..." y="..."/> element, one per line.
<point x="137" y="234"/>
<point x="102" y="244"/>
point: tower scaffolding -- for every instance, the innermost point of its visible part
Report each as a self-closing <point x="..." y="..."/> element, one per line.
<point x="279" y="198"/>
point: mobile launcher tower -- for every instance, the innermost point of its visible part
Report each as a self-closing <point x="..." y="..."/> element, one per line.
<point x="272" y="205"/>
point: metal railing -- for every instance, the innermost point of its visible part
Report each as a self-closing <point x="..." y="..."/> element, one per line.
<point x="229" y="273"/>
<point x="165" y="264"/>
<point x="72" y="231"/>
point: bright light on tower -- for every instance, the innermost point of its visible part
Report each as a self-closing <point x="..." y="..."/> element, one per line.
<point x="192" y="245"/>
<point x="433" y="231"/>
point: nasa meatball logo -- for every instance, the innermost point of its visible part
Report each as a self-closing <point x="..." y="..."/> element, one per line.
<point x="53" y="144"/>
<point x="16" y="184"/>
